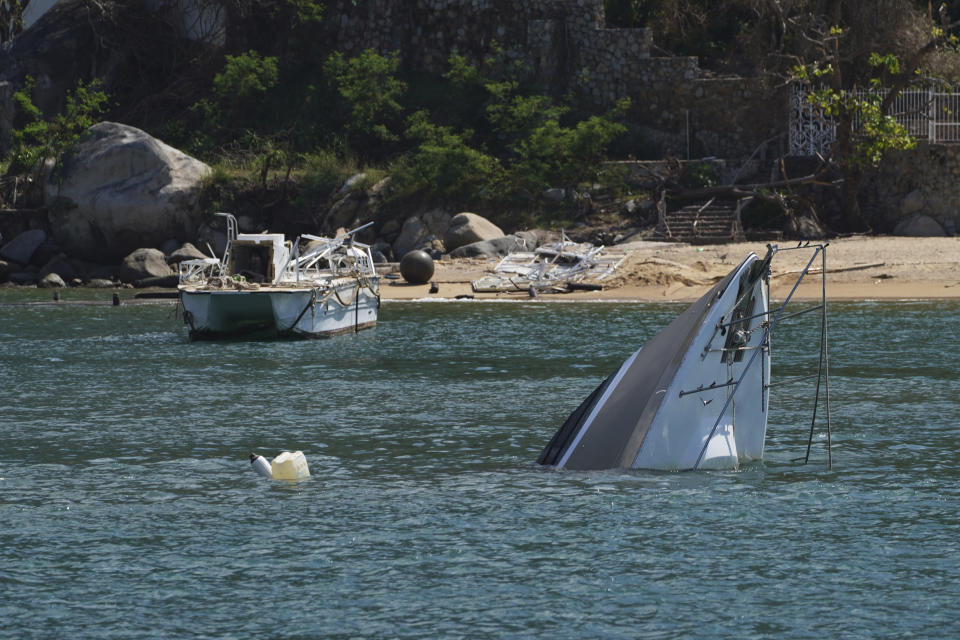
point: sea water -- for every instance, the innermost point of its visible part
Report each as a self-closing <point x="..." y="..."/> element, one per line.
<point x="129" y="509"/>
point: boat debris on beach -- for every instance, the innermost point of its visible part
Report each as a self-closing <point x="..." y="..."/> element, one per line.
<point x="562" y="264"/>
<point x="311" y="287"/>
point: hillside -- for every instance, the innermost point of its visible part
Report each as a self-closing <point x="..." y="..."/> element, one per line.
<point x="483" y="105"/>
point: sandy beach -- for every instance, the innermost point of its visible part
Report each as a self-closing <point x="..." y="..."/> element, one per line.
<point x="863" y="267"/>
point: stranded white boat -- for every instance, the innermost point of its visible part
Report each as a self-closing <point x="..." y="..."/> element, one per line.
<point x="266" y="284"/>
<point x="562" y="263"/>
<point x="696" y="395"/>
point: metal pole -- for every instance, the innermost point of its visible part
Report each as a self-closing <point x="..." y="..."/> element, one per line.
<point x="766" y="335"/>
<point x="826" y="361"/>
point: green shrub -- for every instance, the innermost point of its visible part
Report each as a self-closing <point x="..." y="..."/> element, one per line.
<point x="323" y="173"/>
<point x="443" y="163"/>
<point x="370" y="92"/>
<point x="39" y="140"/>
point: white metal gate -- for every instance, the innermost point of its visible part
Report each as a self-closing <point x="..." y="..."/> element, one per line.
<point x="928" y="114"/>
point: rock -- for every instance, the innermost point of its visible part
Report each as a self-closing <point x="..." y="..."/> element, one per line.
<point x="493" y="248"/>
<point x="104" y="272"/>
<point x="23" y="277"/>
<point x="4" y="270"/>
<point x="165" y="282"/>
<point x="421" y="231"/>
<point x="20" y="249"/>
<point x="208" y="236"/>
<point x="555" y="195"/>
<point x="144" y="263"/>
<point x="390" y="230"/>
<point x="46" y="252"/>
<point x="56" y="50"/>
<point x="186" y="252"/>
<point x="803" y="227"/>
<point x="467" y="228"/>
<point x="920" y="226"/>
<point x="912" y="202"/>
<point x="343" y="213"/>
<point x="350" y="183"/>
<point x="51" y="281"/>
<point x="169" y="247"/>
<point x="126" y="190"/>
<point x="100" y="283"/>
<point x="60" y="266"/>
<point x="383" y="248"/>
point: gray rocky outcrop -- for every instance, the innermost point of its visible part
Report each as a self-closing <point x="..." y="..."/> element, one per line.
<point x="186" y="252"/>
<point x="920" y="225"/>
<point x="51" y="281"/>
<point x="144" y="263"/>
<point x="354" y="206"/>
<point x="344" y="212"/>
<point x="520" y="241"/>
<point x="25" y="277"/>
<point x="21" y="248"/>
<point x="422" y="232"/>
<point x="120" y="189"/>
<point x="466" y="228"/>
<point x="61" y="266"/>
<point x="913" y="202"/>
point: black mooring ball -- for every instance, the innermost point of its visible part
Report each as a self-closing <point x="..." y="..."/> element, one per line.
<point x="416" y="267"/>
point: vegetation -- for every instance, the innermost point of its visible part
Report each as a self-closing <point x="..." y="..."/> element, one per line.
<point x="11" y="18"/>
<point x="271" y="107"/>
<point x="39" y="140"/>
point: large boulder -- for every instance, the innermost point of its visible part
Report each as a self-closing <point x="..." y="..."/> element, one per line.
<point x="919" y="225"/>
<point x="422" y="232"/>
<point x="186" y="252"/>
<point x="520" y="241"/>
<point x="144" y="263"/>
<point x="466" y="228"/>
<point x="120" y="189"/>
<point x="51" y="281"/>
<point x="21" y="248"/>
<point x="60" y="266"/>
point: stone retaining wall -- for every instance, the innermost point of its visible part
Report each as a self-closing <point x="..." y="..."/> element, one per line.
<point x="914" y="185"/>
<point x="567" y="46"/>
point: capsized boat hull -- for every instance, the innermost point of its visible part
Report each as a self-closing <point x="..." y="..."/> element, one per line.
<point x="669" y="405"/>
<point x="309" y="312"/>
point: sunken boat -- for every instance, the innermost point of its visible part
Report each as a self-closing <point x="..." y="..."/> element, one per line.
<point x="695" y="396"/>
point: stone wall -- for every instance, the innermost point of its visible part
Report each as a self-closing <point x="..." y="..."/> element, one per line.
<point x="683" y="111"/>
<point x="914" y="189"/>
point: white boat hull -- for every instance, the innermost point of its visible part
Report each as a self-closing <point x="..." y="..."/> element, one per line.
<point x="693" y="397"/>
<point x="310" y="312"/>
<point x="316" y="313"/>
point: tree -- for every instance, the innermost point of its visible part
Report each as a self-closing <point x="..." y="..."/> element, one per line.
<point x="370" y="90"/>
<point x="40" y="140"/>
<point x="11" y="18"/>
<point x="837" y="63"/>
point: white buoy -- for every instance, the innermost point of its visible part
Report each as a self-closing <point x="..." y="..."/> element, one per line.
<point x="290" y="465"/>
<point x="261" y="466"/>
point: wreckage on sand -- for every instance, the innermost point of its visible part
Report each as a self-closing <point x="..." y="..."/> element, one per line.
<point x="558" y="265"/>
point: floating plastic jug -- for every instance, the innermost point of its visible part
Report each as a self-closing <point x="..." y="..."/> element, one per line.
<point x="260" y="465"/>
<point x="290" y="465"/>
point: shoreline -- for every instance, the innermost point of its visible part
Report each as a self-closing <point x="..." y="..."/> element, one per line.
<point x="858" y="268"/>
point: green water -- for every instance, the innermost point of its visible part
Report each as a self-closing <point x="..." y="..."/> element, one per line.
<point x="129" y="509"/>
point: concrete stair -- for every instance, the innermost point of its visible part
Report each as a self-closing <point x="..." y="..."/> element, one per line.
<point x="712" y="221"/>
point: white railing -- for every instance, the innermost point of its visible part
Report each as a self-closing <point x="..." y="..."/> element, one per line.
<point x="928" y="114"/>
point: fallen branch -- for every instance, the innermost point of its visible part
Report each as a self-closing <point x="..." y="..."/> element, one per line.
<point x="859" y="267"/>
